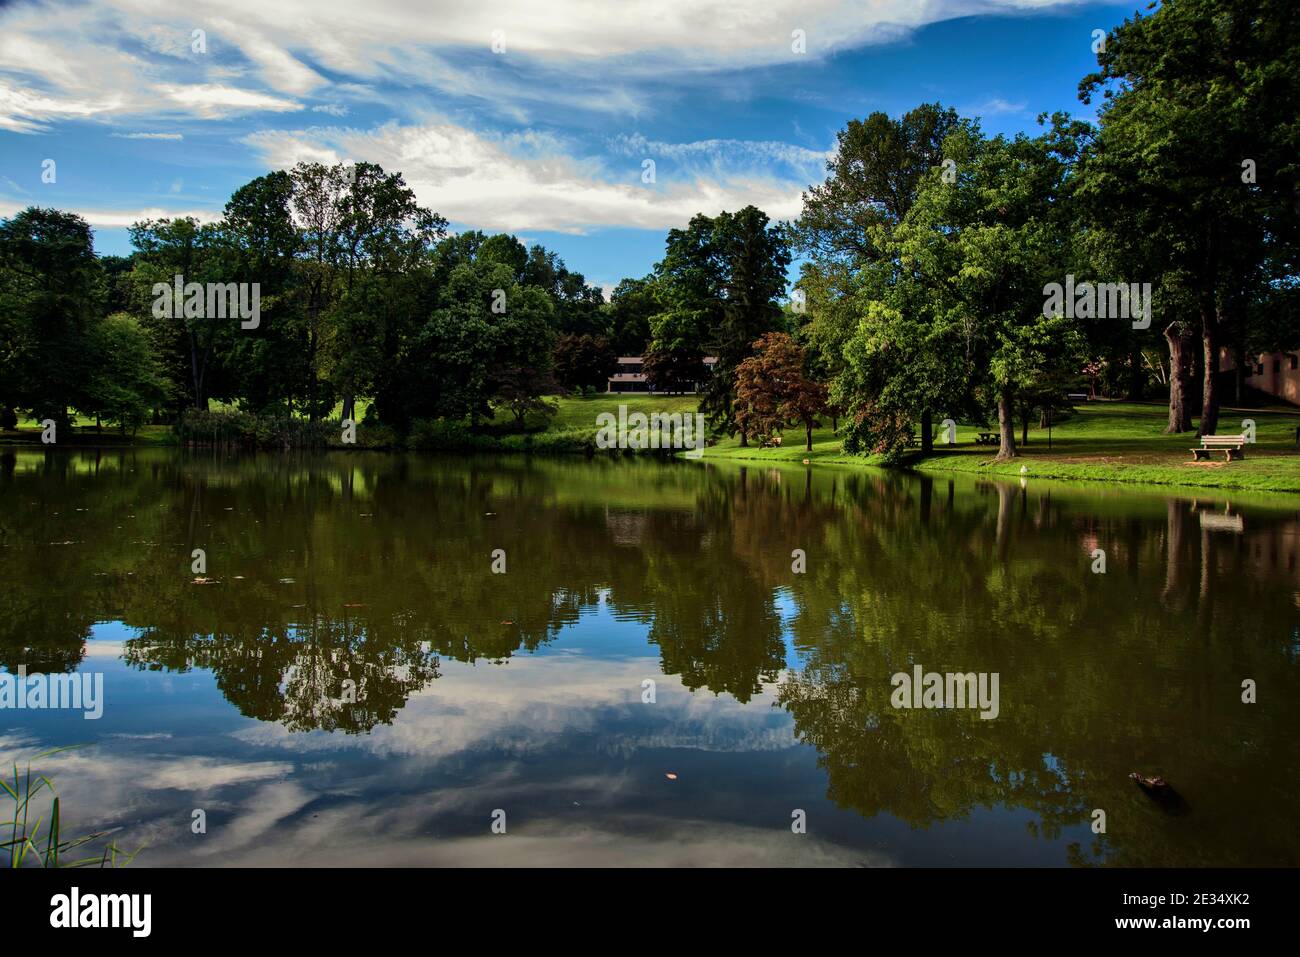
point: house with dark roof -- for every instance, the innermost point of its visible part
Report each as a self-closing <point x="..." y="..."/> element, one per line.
<point x="630" y="376"/>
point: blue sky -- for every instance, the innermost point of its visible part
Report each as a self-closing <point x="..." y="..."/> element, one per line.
<point x="544" y="137"/>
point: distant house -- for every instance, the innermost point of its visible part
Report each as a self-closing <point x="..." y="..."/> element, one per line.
<point x="631" y="377"/>
<point x="1276" y="373"/>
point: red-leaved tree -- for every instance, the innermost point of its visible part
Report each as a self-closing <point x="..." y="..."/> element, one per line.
<point x="773" y="391"/>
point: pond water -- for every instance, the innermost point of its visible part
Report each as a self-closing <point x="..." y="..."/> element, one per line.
<point x="657" y="677"/>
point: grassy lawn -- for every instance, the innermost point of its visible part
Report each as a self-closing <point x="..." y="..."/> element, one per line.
<point x="1106" y="441"/>
<point x="580" y="412"/>
<point x="85" y="434"/>
<point x="1103" y="441"/>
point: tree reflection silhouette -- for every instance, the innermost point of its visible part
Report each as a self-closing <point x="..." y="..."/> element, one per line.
<point x="343" y="582"/>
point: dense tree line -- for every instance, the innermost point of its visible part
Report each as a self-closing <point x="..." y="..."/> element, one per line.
<point x="1168" y="232"/>
<point x="930" y="247"/>
<point x="361" y="293"/>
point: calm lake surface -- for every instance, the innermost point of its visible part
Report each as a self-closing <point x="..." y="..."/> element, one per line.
<point x="524" y="692"/>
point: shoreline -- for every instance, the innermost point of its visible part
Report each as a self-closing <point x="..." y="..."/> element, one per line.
<point x="1111" y="442"/>
<point x="1212" y="476"/>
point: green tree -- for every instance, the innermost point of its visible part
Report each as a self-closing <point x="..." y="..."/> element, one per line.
<point x="1199" y="149"/>
<point x="986" y="245"/>
<point x="690" y="281"/>
<point x="51" y="294"/>
<point x="126" y="381"/>
<point x="847" y="230"/>
<point x="631" y="306"/>
<point x="269" y="364"/>
<point x="754" y="257"/>
<point x="194" y="347"/>
<point x="584" y="361"/>
<point x="485" y="322"/>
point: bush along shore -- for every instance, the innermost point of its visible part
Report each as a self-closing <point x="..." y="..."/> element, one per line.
<point x="247" y="431"/>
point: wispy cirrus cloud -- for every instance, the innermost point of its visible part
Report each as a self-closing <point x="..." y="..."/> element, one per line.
<point x="530" y="181"/>
<point x="542" y="135"/>
<point x="729" y="152"/>
<point x="119" y="57"/>
<point x="995" y="106"/>
<point x="123" y="218"/>
<point x="148" y="136"/>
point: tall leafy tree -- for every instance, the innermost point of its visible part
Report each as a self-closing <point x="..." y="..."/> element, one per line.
<point x="195" y="347"/>
<point x="986" y="245"/>
<point x="126" y="382"/>
<point x="1199" y="149"/>
<point x="754" y="256"/>
<point x="269" y="361"/>
<point x="51" y="294"/>
<point x="846" y="230"/>
<point x="584" y="361"/>
<point x="631" y="306"/>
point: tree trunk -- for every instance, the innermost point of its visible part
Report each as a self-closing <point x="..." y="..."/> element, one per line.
<point x="1006" y="427"/>
<point x="196" y="372"/>
<point x="1180" y="376"/>
<point x="1210" y="347"/>
<point x="349" y="406"/>
<point x="1239" y="373"/>
<point x="927" y="430"/>
<point x="809" y="426"/>
<point x="311" y="378"/>
<point x="1136" y="380"/>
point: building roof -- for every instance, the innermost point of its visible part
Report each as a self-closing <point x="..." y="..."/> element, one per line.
<point x="641" y="376"/>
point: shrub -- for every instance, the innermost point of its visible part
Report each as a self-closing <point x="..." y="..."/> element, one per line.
<point x="247" y="430"/>
<point x="443" y="435"/>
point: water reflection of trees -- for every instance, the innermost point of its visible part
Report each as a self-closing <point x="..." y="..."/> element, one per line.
<point x="366" y="572"/>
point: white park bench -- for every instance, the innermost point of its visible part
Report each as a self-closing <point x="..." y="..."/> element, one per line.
<point x="1232" y="446"/>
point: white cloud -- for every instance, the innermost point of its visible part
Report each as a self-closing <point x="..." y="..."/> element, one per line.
<point x="119" y="218"/>
<point x="724" y="152"/>
<point x="529" y="181"/>
<point x="25" y="110"/>
<point x="279" y="68"/>
<point x="211" y="100"/>
<point x="118" y="57"/>
<point x="994" y="106"/>
<point x="148" y="136"/>
<point x="525" y="708"/>
<point x="272" y="800"/>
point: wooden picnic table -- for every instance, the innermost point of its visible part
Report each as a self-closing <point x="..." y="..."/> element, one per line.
<point x="987" y="438"/>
